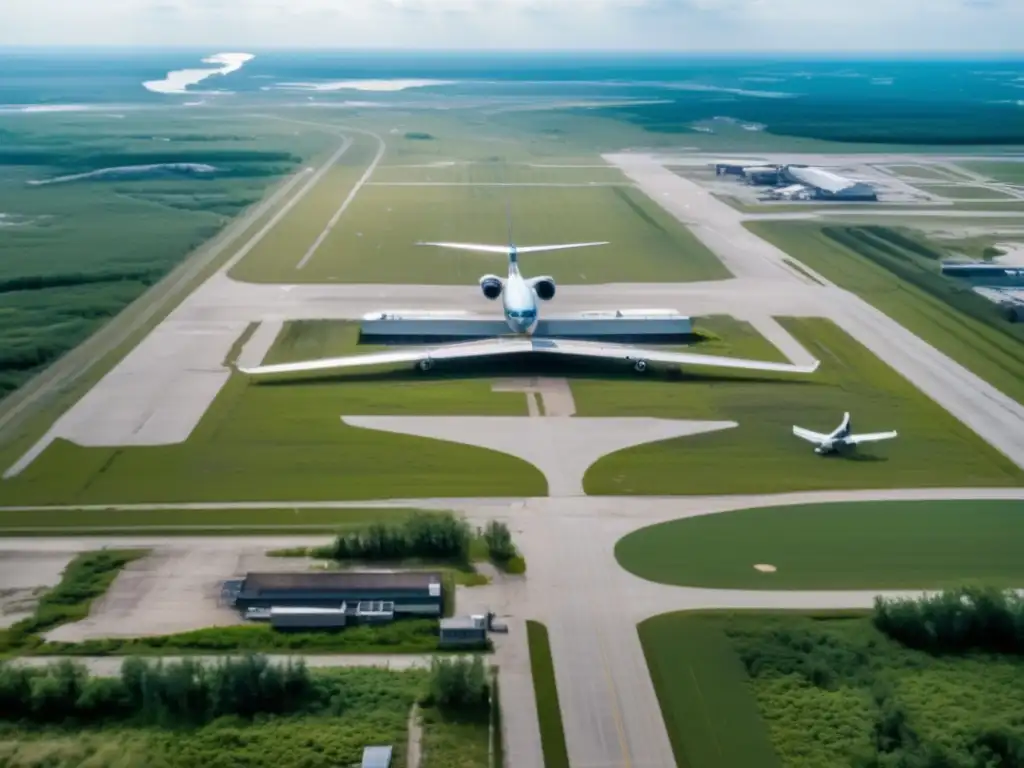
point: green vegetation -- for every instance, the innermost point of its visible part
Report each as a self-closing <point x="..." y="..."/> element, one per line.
<point x="552" y="736"/>
<point x="406" y="636"/>
<point x="501" y="173"/>
<point x="179" y="715"/>
<point x="926" y="172"/>
<point x="191" y="521"/>
<point x="501" y="549"/>
<point x="847" y="545"/>
<point x="830" y="690"/>
<point x="711" y="718"/>
<point x="375" y="242"/>
<point x="966" y="192"/>
<point x="1009" y="171"/>
<point x="934" y="448"/>
<point x="460" y="703"/>
<point x="423" y="539"/>
<point x="956" y="621"/>
<point x="908" y="287"/>
<point x="85" y="578"/>
<point x="284" y="441"/>
<point x="75" y="253"/>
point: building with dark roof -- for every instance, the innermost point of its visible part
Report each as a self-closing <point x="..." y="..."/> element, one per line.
<point x="410" y="593"/>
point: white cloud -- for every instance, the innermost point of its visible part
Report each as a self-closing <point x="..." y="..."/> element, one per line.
<point x="683" y="25"/>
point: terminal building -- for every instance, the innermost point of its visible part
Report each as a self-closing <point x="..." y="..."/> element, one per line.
<point x="806" y="182"/>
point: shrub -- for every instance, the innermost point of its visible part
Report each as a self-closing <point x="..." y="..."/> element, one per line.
<point x="427" y="536"/>
<point x="499" y="541"/>
<point x="460" y="683"/>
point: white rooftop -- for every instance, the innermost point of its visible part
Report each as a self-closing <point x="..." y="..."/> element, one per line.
<point x="820" y="178"/>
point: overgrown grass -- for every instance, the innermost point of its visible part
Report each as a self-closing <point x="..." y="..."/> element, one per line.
<point x="818" y="691"/>
<point x="407" y="637"/>
<point x="848" y="545"/>
<point x="912" y="291"/>
<point x="711" y="718"/>
<point x="552" y="735"/>
<point x="369" y="706"/>
<point x="933" y="448"/>
<point x="86" y="577"/>
<point x="454" y="739"/>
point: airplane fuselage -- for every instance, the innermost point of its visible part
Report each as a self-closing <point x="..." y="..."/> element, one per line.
<point x="519" y="302"/>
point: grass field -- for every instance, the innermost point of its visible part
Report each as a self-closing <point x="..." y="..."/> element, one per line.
<point x="101" y="521"/>
<point x="924" y="172"/>
<point x="375" y="240"/>
<point x="75" y="253"/>
<point x="284" y="442"/>
<point x="460" y="172"/>
<point x="711" y="718"/>
<point x="856" y="545"/>
<point x="989" y="347"/>
<point x="934" y="449"/>
<point x="821" y="691"/>
<point x="1010" y="172"/>
<point x="552" y="736"/>
<point x="954" y="192"/>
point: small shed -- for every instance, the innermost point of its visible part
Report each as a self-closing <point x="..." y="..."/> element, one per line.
<point x="376" y="757"/>
<point x="463" y="631"/>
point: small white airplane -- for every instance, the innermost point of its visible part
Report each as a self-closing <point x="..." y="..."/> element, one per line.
<point x="519" y="298"/>
<point x="840" y="438"/>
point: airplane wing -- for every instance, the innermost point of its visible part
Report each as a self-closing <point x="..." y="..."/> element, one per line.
<point x="494" y="347"/>
<point x="539" y="248"/>
<point x="808" y="435"/>
<point x="489" y="348"/>
<point x="630" y="353"/>
<point x="870" y="437"/>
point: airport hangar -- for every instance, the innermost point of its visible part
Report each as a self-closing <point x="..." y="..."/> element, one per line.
<point x="800" y="182"/>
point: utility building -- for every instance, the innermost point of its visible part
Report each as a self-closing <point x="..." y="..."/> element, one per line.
<point x="826" y="185"/>
<point x="364" y="595"/>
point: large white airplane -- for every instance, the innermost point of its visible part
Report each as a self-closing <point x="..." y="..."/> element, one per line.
<point x="841" y="437"/>
<point x="519" y="298"/>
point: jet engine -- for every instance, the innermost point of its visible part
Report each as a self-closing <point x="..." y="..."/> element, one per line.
<point x="491" y="286"/>
<point x="544" y="288"/>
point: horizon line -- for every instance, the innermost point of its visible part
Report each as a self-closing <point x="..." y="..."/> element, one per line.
<point x="937" y="54"/>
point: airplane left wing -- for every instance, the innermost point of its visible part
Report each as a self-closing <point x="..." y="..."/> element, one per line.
<point x="464" y="350"/>
<point x="634" y="354"/>
<point x="809" y="435"/>
<point x="870" y="437"/>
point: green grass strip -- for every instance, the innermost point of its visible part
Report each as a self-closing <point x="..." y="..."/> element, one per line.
<point x="552" y="736"/>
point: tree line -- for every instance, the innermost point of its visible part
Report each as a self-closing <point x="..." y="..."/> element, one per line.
<point x="955" y="621"/>
<point x="190" y="693"/>
<point x="428" y="536"/>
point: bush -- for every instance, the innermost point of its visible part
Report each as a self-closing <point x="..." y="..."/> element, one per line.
<point x="499" y="542"/>
<point x="459" y="683"/>
<point x="427" y="536"/>
<point x="955" y="621"/>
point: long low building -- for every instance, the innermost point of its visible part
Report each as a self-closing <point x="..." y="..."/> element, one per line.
<point x="407" y="593"/>
<point x="827" y="185"/>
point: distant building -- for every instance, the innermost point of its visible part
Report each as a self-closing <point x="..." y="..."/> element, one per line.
<point x="728" y="169"/>
<point x="366" y="595"/>
<point x="762" y="175"/>
<point x="826" y="185"/>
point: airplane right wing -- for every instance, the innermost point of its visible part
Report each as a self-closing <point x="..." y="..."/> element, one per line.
<point x="809" y="436"/>
<point x="870" y="437"/>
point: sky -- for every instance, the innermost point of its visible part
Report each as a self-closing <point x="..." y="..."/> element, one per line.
<point x="697" y="26"/>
